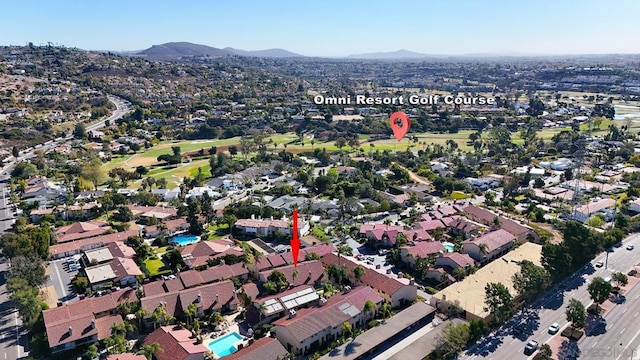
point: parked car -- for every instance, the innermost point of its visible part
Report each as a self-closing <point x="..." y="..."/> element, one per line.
<point x="630" y="247"/>
<point x="531" y="347"/>
<point x="600" y="263"/>
<point x="554" y="328"/>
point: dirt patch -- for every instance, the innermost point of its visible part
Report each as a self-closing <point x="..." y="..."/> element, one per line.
<point x="48" y="296"/>
<point x="556" y="235"/>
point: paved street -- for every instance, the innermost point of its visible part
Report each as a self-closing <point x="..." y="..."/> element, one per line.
<point x="503" y="344"/>
<point x="11" y="340"/>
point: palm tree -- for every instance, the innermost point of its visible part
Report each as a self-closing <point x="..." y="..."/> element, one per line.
<point x="189" y="312"/>
<point x="140" y="315"/>
<point x="369" y="307"/>
<point x="313" y="142"/>
<point x="385" y="310"/>
<point x="262" y="308"/>
<point x="149" y="350"/>
<point x="358" y="272"/>
<point x="295" y="275"/>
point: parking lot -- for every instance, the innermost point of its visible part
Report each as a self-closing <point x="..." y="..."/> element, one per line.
<point x="60" y="278"/>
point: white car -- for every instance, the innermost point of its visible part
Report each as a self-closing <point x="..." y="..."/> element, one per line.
<point x="600" y="263"/>
<point x="554" y="328"/>
<point x="630" y="247"/>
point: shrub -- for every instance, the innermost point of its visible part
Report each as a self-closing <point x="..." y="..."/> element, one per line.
<point x="430" y="290"/>
<point x="572" y="334"/>
<point x="372" y="323"/>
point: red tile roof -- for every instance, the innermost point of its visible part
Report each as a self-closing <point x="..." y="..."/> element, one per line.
<point x="487" y="217"/>
<point x="431" y="225"/>
<point x="371" y="277"/>
<point x="424" y="249"/>
<point x="263" y="348"/>
<point x="462" y="260"/>
<point x="83" y="244"/>
<point x="251" y="290"/>
<point x="79" y="316"/>
<point x="176" y="344"/>
<point x="177" y="301"/>
<point x="311" y="321"/>
<point x="493" y="240"/>
<point x="308" y="273"/>
<point x="126" y="356"/>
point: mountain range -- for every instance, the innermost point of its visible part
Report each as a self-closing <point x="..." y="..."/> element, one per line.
<point x="176" y="50"/>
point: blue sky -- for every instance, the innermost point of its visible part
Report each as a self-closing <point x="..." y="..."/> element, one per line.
<point x="332" y="28"/>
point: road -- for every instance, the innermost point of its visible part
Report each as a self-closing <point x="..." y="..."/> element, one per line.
<point x="12" y="342"/>
<point x="550" y="308"/>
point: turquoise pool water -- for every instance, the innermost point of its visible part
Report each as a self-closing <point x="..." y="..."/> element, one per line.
<point x="185" y="239"/>
<point x="224" y="345"/>
<point x="449" y="246"/>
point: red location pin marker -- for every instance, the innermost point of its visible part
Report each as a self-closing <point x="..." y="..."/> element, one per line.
<point x="295" y="241"/>
<point x="399" y="124"/>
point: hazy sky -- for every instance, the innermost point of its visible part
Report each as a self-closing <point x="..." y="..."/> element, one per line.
<point x="331" y="28"/>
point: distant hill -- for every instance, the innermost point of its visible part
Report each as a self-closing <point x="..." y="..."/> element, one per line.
<point x="400" y="54"/>
<point x="175" y="50"/>
<point x="276" y="53"/>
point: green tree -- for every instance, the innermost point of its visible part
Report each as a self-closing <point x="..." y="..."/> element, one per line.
<point x="346" y="329"/>
<point x="576" y="314"/>
<point x="369" y="307"/>
<point x="93" y="173"/>
<point x="189" y="312"/>
<point x="498" y="301"/>
<point x="599" y="290"/>
<point x="531" y="280"/>
<point x="79" y="132"/>
<point x="453" y="339"/>
<point x="358" y="272"/>
<point x="28" y="268"/>
<point x="149" y="350"/>
<point x="545" y="353"/>
<point x="92" y="352"/>
<point x="619" y="279"/>
<point x="80" y="283"/>
<point x="477" y="329"/>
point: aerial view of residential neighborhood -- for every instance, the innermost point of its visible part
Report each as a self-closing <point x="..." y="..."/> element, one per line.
<point x="269" y="180"/>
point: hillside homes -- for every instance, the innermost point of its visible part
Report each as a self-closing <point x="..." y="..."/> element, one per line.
<point x="519" y="231"/>
<point x="489" y="246"/>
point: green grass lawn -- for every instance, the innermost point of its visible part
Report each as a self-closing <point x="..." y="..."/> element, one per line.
<point x="218" y="231"/>
<point x="156" y="267"/>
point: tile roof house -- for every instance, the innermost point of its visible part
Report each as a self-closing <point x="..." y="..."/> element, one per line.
<point x="486" y="217"/>
<point x="83" y="322"/>
<point x="323" y="324"/>
<point x="489" y="246"/>
<point x="80" y="230"/>
<point x="309" y="273"/>
<point x="395" y="291"/>
<point x="380" y="234"/>
<point x="454" y="260"/>
<point x="176" y="344"/>
<point x="263" y="348"/>
<point x="170" y="227"/>
<point x="77" y="246"/>
<point x="218" y="296"/>
<point x="423" y="250"/>
<point x="604" y="206"/>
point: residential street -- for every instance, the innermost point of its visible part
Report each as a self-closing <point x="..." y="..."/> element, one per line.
<point x="503" y="344"/>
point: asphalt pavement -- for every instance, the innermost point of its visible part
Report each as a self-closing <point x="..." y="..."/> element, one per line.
<point x="535" y="320"/>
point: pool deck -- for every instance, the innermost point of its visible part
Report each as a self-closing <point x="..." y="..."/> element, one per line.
<point x="233" y="327"/>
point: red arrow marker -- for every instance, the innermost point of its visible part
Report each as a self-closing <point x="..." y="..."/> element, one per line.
<point x="295" y="241"/>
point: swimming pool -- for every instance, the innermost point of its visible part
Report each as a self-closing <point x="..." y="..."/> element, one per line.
<point x="185" y="239"/>
<point x="449" y="246"/>
<point x="224" y="345"/>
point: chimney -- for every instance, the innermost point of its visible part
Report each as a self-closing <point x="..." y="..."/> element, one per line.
<point x="217" y="297"/>
<point x="292" y="314"/>
<point x="93" y="323"/>
<point x="199" y="297"/>
<point x="70" y="331"/>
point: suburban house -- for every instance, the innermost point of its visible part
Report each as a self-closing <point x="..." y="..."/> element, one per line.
<point x="70" y="248"/>
<point x="305" y="330"/>
<point x="84" y="322"/>
<point x="263" y="348"/>
<point x="489" y="246"/>
<point x="461" y="226"/>
<point x="381" y="235"/>
<point x="265" y="227"/>
<point x="276" y="306"/>
<point x="604" y="206"/>
<point x="219" y="296"/>
<point x="197" y="255"/>
<point x="308" y="273"/>
<point x="176" y="343"/>
<point x="116" y="272"/>
<point x="393" y="290"/>
<point x="454" y="260"/>
<point x="520" y="232"/>
<point x="81" y="230"/>
<point x="423" y="249"/>
<point x="41" y="190"/>
<point x="167" y="228"/>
